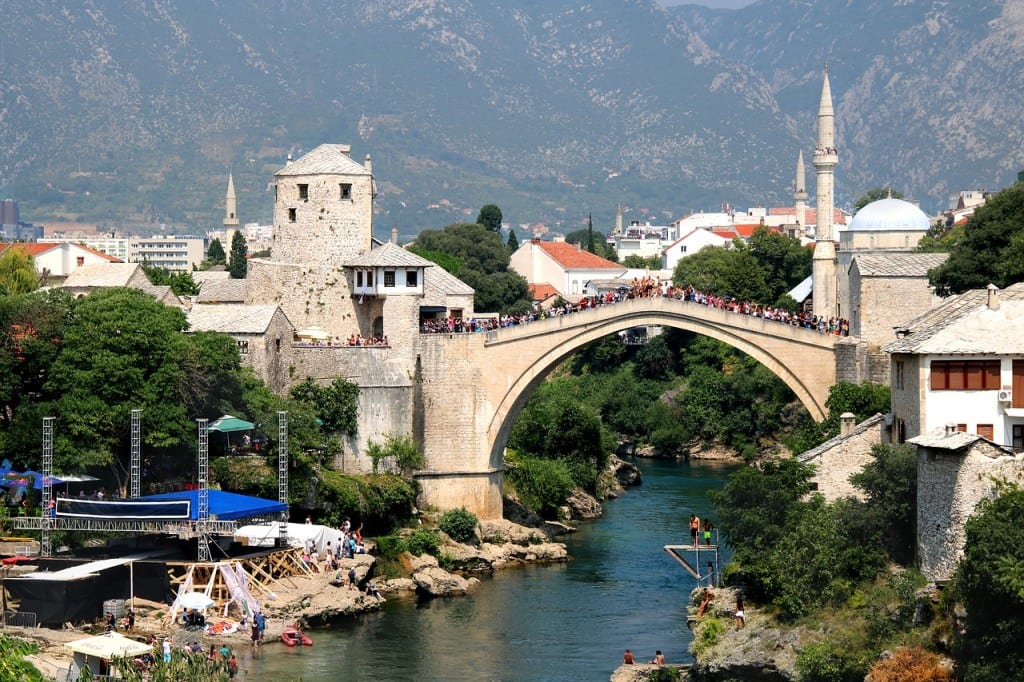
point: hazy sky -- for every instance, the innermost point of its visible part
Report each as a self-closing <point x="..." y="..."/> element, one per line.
<point x="725" y="4"/>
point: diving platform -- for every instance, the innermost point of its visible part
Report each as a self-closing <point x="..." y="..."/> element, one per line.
<point x="694" y="558"/>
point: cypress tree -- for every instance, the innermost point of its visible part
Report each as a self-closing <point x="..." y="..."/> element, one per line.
<point x="238" y="266"/>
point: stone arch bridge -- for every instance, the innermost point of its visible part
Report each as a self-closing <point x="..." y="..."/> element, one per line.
<point x="469" y="388"/>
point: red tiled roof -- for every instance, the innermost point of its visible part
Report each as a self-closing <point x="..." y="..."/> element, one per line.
<point x="571" y="257"/>
<point x="28" y="248"/>
<point x="38" y="248"/>
<point x="541" y="292"/>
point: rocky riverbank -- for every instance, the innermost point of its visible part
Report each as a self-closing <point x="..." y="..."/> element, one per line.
<point x="327" y="598"/>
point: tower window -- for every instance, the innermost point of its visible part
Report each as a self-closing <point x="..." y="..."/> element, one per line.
<point x="346" y="190"/>
<point x="389" y="278"/>
<point x="291" y="215"/>
<point x="411" y="279"/>
<point x="304" y="192"/>
<point x="359" y="279"/>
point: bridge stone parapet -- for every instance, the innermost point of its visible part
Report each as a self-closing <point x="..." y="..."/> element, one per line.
<point x="471" y="387"/>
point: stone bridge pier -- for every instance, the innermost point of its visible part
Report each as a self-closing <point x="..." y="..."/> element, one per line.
<point x="468" y="388"/>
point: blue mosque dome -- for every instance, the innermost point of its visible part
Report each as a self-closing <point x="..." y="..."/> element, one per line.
<point x="889" y="214"/>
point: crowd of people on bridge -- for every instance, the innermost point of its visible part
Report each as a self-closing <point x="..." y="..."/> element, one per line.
<point x="645" y="287"/>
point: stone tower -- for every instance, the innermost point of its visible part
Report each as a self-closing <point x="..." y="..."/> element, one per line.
<point x="800" y="192"/>
<point x="826" y="158"/>
<point x="323" y="208"/>
<point x="230" y="207"/>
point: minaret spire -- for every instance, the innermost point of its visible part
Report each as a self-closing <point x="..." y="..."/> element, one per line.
<point x="800" y="192"/>
<point x="826" y="158"/>
<point x="230" y="206"/>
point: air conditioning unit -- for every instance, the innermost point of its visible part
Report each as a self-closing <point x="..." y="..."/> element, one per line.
<point x="1006" y="396"/>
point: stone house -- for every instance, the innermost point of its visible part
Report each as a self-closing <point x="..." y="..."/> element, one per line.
<point x="955" y="471"/>
<point x="838" y="458"/>
<point x="263" y="334"/>
<point x="106" y="275"/>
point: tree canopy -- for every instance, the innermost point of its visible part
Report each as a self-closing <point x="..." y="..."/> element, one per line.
<point x="725" y="271"/>
<point x="490" y="217"/>
<point x="482" y="264"/>
<point x="513" y="240"/>
<point x="215" y="253"/>
<point x="17" y="273"/>
<point x="784" y="262"/>
<point x="990" y="250"/>
<point x="181" y="283"/>
<point x="990" y="582"/>
<point x="238" y="265"/>
<point x="875" y="194"/>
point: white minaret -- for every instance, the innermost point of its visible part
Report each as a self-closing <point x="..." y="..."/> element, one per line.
<point x="800" y="193"/>
<point x="230" y="207"/>
<point x="826" y="158"/>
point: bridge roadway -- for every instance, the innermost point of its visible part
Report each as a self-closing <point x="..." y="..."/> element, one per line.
<point x="473" y="385"/>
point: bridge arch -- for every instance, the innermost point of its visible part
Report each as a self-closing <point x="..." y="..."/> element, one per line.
<point x="802" y="359"/>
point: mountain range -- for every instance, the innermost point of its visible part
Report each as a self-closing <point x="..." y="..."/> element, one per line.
<point x="131" y="113"/>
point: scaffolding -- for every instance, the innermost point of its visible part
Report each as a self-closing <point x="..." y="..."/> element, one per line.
<point x="135" y="467"/>
<point x="200" y="530"/>
<point x="45" y="548"/>
<point x="282" y="474"/>
<point x="203" y="493"/>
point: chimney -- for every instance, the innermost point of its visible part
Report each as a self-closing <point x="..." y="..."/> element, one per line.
<point x="846" y="423"/>
<point x="394" y="234"/>
<point x="289" y="161"/>
<point x="993" y="297"/>
<point x="369" y="165"/>
<point x="534" y="240"/>
<point x="950" y="429"/>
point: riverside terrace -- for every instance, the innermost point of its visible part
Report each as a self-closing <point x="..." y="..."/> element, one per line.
<point x="805" y="320"/>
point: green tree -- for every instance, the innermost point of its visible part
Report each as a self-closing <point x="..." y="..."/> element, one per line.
<point x="889" y="481"/>
<point x="784" y="262"/>
<point x="450" y="263"/>
<point x="490" y="217"/>
<point x="181" y="283"/>
<point x="483" y="260"/>
<point x="990" y="583"/>
<point x="215" y="253"/>
<point x="398" y="452"/>
<point x="513" y="240"/>
<point x="724" y="271"/>
<point x="13" y="663"/>
<point x="336" y="406"/>
<point x="875" y="194"/>
<point x="863" y="400"/>
<point x="655" y="359"/>
<point x="990" y="250"/>
<point x="17" y="272"/>
<point x="591" y="246"/>
<point x="636" y="261"/>
<point x="601" y="246"/>
<point x="239" y="265"/>
<point x="756" y="502"/>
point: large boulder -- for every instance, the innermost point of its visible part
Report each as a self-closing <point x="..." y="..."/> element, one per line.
<point x="434" y="581"/>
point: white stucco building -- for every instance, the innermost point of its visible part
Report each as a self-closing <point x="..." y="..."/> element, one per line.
<point x="962" y="363"/>
<point x="564" y="266"/>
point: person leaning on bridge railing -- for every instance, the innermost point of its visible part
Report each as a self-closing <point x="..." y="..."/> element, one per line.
<point x="644" y="288"/>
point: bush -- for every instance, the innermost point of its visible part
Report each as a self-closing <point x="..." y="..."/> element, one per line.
<point x="825" y="662"/>
<point x="910" y="664"/>
<point x="422" y="541"/>
<point x="459" y="524"/>
<point x="542" y="484"/>
<point x="711" y="630"/>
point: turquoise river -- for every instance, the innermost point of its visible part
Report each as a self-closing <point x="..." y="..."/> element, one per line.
<point x="561" y="622"/>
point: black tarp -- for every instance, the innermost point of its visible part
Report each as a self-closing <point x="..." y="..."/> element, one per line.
<point x="133" y="510"/>
<point x="81" y="599"/>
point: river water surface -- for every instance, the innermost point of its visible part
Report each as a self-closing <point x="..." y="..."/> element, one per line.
<point x="554" y="622"/>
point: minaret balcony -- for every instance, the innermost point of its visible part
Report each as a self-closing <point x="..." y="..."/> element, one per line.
<point x="826" y="155"/>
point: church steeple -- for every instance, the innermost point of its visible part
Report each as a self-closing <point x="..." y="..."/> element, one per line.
<point x="230" y="207"/>
<point x="826" y="158"/>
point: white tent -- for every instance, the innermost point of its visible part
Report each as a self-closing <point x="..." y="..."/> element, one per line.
<point x="298" y="533"/>
<point x="97" y="652"/>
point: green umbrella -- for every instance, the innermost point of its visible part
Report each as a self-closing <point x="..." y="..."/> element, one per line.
<point x="227" y="424"/>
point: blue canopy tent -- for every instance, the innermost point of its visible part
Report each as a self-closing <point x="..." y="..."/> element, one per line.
<point x="182" y="505"/>
<point x="224" y="506"/>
